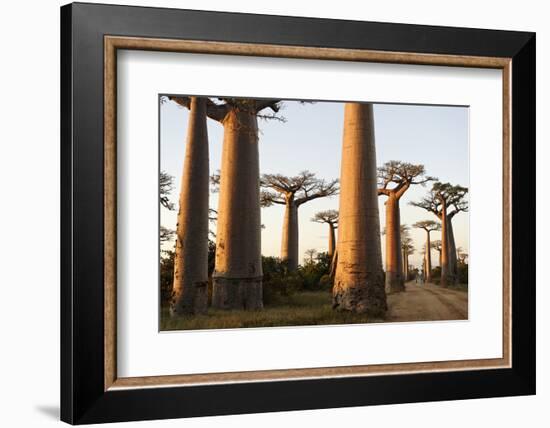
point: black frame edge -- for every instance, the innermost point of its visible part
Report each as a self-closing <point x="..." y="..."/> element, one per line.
<point x="66" y="316"/>
<point x="83" y="399"/>
<point x="524" y="216"/>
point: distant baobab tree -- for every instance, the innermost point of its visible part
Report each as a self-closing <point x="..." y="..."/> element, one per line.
<point x="292" y="192"/>
<point x="394" y="179"/>
<point x="407" y="249"/>
<point x="428" y="226"/>
<point x="359" y="278"/>
<point x="310" y="253"/>
<point x="462" y="256"/>
<point x="436" y="245"/>
<point x="329" y="217"/>
<point x="445" y="201"/>
<point x="237" y="277"/>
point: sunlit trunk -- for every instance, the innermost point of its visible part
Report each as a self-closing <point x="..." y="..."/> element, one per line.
<point x="359" y="283"/>
<point x="238" y="267"/>
<point x="447" y="277"/>
<point x="189" y="290"/>
<point x="289" y="243"/>
<point x="394" y="259"/>
<point x="428" y="258"/>
<point x="453" y="261"/>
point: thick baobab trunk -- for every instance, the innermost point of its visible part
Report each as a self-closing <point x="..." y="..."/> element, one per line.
<point x="447" y="277"/>
<point x="405" y="266"/>
<point x="331" y="240"/>
<point x="333" y="264"/>
<point x="289" y="244"/>
<point x="238" y="266"/>
<point x="189" y="290"/>
<point x="394" y="259"/>
<point x="453" y="260"/>
<point x="428" y="258"/>
<point x="359" y="279"/>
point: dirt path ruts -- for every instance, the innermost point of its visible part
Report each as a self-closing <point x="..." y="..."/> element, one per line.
<point x="427" y="303"/>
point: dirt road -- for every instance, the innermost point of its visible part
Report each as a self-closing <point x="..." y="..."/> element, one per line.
<point x="427" y="303"/>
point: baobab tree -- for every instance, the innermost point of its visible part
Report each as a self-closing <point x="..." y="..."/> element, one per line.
<point x="310" y="253"/>
<point x="292" y="192"/>
<point x="445" y="201"/>
<point x="462" y="256"/>
<point x="189" y="290"/>
<point x="359" y="278"/>
<point x="428" y="226"/>
<point x="407" y="249"/>
<point x="394" y="179"/>
<point x="329" y="217"/>
<point x="237" y="277"/>
<point x="436" y="245"/>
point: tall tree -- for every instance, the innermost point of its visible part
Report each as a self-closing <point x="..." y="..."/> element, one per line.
<point x="407" y="249"/>
<point x="462" y="256"/>
<point x="292" y="192"/>
<point x="428" y="226"/>
<point x="446" y="201"/>
<point x="189" y="290"/>
<point x="436" y="245"/>
<point x="394" y="179"/>
<point x="359" y="278"/>
<point x="329" y="217"/>
<point x="310" y="254"/>
<point x="237" y="278"/>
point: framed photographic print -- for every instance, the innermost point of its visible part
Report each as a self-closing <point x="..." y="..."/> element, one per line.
<point x="266" y="213"/>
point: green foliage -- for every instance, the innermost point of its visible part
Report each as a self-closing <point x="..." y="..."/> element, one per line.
<point x="279" y="284"/>
<point x="462" y="270"/>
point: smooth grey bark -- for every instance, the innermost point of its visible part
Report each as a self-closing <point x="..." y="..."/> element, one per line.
<point x="189" y="290"/>
<point x="428" y="257"/>
<point x="289" y="242"/>
<point x="453" y="259"/>
<point x="359" y="278"/>
<point x="447" y="274"/>
<point x="394" y="259"/>
<point x="237" y="278"/>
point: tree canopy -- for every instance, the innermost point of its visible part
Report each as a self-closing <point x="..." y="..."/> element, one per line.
<point x="328" y="216"/>
<point x="453" y="196"/>
<point x="304" y="187"/>
<point x="395" y="177"/>
<point x="427" y="225"/>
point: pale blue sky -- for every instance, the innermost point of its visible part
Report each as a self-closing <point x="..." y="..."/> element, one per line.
<point x="435" y="136"/>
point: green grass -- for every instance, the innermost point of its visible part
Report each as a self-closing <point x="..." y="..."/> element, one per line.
<point x="304" y="308"/>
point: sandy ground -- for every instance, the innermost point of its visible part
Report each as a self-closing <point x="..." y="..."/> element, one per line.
<point x="427" y="302"/>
